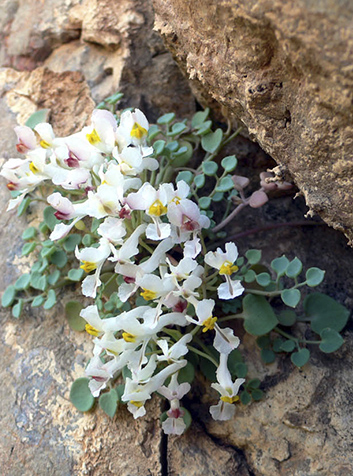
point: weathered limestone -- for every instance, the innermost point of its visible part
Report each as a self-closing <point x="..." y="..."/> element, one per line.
<point x="285" y="69"/>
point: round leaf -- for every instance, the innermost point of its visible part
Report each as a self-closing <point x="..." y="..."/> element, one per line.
<point x="288" y="346"/>
<point x="225" y="184"/>
<point x="241" y="370"/>
<point x="187" y="373"/>
<point x="186" y="417"/>
<point x="9" y="296"/>
<point x="37" y="301"/>
<point x="324" y="311"/>
<point x="331" y="340"/>
<point x="259" y="317"/>
<point x="199" y="117"/>
<point x="204" y="203"/>
<point x="23" y="282"/>
<point x="23" y="206"/>
<point x="291" y="297"/>
<point x="37" y="117"/>
<point x="253" y="256"/>
<point x="177" y="128"/>
<point x="29" y="233"/>
<point x="209" y="168"/>
<point x="263" y="279"/>
<point x="287" y="318"/>
<point x="314" y="276"/>
<point x="17" y="308"/>
<point x="27" y="248"/>
<point x="210" y="142"/>
<point x="217" y="197"/>
<point x="250" y="276"/>
<point x="245" y="397"/>
<point x="268" y="356"/>
<point x="51" y="299"/>
<point x="80" y="395"/>
<point x="59" y="258"/>
<point x="185" y="175"/>
<point x="300" y="358"/>
<point x="109" y="402"/>
<point x="183" y="155"/>
<point x="280" y="265"/>
<point x="71" y="242"/>
<point x="257" y="394"/>
<point x="166" y="118"/>
<point x="229" y="163"/>
<point x="199" y="180"/>
<point x="76" y="274"/>
<point x="294" y="268"/>
<point x="49" y="218"/>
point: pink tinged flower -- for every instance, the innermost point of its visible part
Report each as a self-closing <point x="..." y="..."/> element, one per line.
<point x="64" y="208"/>
<point x="112" y="229"/>
<point x="46" y="134"/>
<point x="192" y="248"/>
<point x="186" y="215"/>
<point x="257" y="199"/>
<point x="26" y="139"/>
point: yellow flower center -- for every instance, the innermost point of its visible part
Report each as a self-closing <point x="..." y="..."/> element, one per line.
<point x="157" y="209"/>
<point x="228" y="268"/>
<point x="138" y="131"/>
<point x="43" y="143"/>
<point x="148" y="295"/>
<point x="137" y="404"/>
<point x="209" y="324"/>
<point x="129" y="337"/>
<point x="33" y="168"/>
<point x="88" y="266"/>
<point x="176" y="200"/>
<point x="93" y="138"/>
<point x="91" y="330"/>
<point x="230" y="399"/>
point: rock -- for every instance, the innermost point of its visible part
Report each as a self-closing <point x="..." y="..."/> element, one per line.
<point x="285" y="70"/>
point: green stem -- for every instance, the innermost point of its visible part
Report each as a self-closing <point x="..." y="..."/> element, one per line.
<point x="202" y="354"/>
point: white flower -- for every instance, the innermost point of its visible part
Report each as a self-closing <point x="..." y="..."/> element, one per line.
<point x="228" y="390"/>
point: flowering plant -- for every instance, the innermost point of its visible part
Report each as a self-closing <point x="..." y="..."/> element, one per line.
<point x="161" y="292"/>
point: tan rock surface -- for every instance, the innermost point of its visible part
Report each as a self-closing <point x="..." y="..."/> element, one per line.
<point x="302" y="428"/>
<point x="285" y="69"/>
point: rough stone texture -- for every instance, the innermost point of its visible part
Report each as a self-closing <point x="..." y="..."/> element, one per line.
<point x="306" y="418"/>
<point x="285" y="69"/>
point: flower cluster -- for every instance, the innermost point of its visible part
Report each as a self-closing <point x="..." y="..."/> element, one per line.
<point x="149" y="234"/>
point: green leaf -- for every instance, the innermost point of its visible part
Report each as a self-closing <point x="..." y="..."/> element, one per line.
<point x="199" y="117"/>
<point x="183" y="155"/>
<point x="277" y="343"/>
<point x="23" y="282"/>
<point x="27" y="248"/>
<point x="46" y="252"/>
<point x="257" y="394"/>
<point x="229" y="163"/>
<point x="218" y="197"/>
<point x="209" y="168"/>
<point x="87" y="240"/>
<point x="37" y="118"/>
<point x="153" y="132"/>
<point x="199" y="180"/>
<point x="331" y="340"/>
<point x="72" y="313"/>
<point x="234" y="358"/>
<point x="245" y="397"/>
<point x="37" y="281"/>
<point x="59" y="258"/>
<point x="23" y="206"/>
<point x="250" y="276"/>
<point x="323" y="311"/>
<point x="53" y="277"/>
<point x="114" y="98"/>
<point x="264" y="342"/>
<point x="71" y="242"/>
<point x="43" y="228"/>
<point x="185" y="175"/>
<point x="166" y="118"/>
<point x="314" y="277"/>
<point x="241" y="370"/>
<point x="225" y="184"/>
<point x="76" y="274"/>
<point x="29" y="233"/>
<point x="51" y="299"/>
<point x="263" y="279"/>
<point x="259" y="317"/>
<point x="49" y="218"/>
<point x="109" y="402"/>
<point x="120" y="389"/>
<point x="203" y="129"/>
<point x="294" y="268"/>
<point x="268" y="356"/>
<point x="211" y="141"/>
<point x="253" y="256"/>
<point x="204" y="203"/>
<point x="9" y="296"/>
<point x="186" y="417"/>
<point x="177" y="128"/>
<point x="80" y="395"/>
<point x="17" y="308"/>
<point x="37" y="301"/>
<point x="158" y="146"/>
<point x="253" y="383"/>
<point x="173" y="146"/>
<point x="288" y="346"/>
<point x="280" y="265"/>
<point x="187" y="373"/>
<point x="208" y="369"/>
<point x="291" y="297"/>
<point x="300" y="358"/>
<point x="287" y="318"/>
